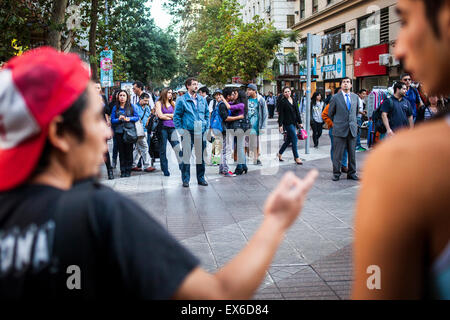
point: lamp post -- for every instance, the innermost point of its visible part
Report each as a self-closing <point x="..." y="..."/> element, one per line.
<point x="281" y="59"/>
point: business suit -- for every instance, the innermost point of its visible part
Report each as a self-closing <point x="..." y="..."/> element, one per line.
<point x="345" y="130"/>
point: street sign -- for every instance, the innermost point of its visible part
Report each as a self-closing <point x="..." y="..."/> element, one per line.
<point x="236" y="80"/>
<point x="106" y="68"/>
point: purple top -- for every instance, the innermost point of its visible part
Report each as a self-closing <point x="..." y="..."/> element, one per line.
<point x="237" y="109"/>
<point x="168" y="123"/>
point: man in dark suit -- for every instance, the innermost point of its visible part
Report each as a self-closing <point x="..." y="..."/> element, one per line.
<point x="343" y="112"/>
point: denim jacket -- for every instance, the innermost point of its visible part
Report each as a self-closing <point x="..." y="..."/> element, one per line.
<point x="118" y="124"/>
<point x="186" y="113"/>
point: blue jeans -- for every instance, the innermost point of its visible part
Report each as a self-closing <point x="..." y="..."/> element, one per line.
<point x="185" y="165"/>
<point x="291" y="137"/>
<point x="167" y="134"/>
<point x="358" y="137"/>
<point x="344" y="161"/>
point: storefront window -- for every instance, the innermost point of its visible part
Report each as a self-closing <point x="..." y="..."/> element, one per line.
<point x="369" y="30"/>
<point x="331" y="41"/>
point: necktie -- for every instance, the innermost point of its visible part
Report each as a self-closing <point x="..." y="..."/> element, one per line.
<point x="349" y="104"/>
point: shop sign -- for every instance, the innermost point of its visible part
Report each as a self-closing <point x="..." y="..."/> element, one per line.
<point x="333" y="65"/>
<point x="367" y="61"/>
<point x="106" y="68"/>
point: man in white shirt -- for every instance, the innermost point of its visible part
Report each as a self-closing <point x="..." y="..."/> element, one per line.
<point x="138" y="90"/>
<point x="362" y="94"/>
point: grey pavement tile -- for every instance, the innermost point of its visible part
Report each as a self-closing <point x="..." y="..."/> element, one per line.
<point x="341" y="288"/>
<point x="286" y="254"/>
<point x="313" y="251"/>
<point x="340" y="236"/>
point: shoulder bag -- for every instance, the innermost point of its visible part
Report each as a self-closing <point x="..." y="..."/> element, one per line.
<point x="140" y="127"/>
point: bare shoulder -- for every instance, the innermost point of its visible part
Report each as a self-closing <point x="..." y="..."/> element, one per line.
<point x="412" y="169"/>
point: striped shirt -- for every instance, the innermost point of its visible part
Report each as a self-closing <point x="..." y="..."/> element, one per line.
<point x="135" y="99"/>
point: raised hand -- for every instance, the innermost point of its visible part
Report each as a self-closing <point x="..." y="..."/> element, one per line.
<point x="286" y="201"/>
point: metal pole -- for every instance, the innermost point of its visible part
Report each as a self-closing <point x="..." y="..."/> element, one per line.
<point x="308" y="90"/>
<point x="106" y="38"/>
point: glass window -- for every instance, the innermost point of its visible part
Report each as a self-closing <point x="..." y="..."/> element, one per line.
<point x="315" y="6"/>
<point x="290" y="20"/>
<point x="331" y="41"/>
<point x="302" y="9"/>
<point x="369" y="30"/>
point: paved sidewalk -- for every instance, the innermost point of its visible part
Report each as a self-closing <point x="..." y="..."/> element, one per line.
<point x="216" y="222"/>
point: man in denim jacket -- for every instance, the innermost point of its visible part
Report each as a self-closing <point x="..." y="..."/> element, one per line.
<point x="191" y="119"/>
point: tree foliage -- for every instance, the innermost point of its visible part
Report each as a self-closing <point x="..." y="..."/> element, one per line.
<point x="142" y="51"/>
<point x="220" y="45"/>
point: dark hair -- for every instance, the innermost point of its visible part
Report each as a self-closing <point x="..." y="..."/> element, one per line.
<point x="164" y="99"/>
<point x="145" y="95"/>
<point x="204" y="89"/>
<point x="346" y="78"/>
<point x="284" y="88"/>
<point x="398" y="86"/>
<point x="361" y="91"/>
<point x="227" y="91"/>
<point x="432" y="10"/>
<point x="189" y="81"/>
<point x="139" y="84"/>
<point x="314" y="97"/>
<point x="405" y="75"/>
<point x="337" y="90"/>
<point x="242" y="98"/>
<point x="128" y="108"/>
<point x="71" y="122"/>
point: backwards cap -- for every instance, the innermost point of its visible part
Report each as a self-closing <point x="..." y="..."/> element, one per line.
<point x="34" y="89"/>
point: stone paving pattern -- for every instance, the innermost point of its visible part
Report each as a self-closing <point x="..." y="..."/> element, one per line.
<point x="315" y="259"/>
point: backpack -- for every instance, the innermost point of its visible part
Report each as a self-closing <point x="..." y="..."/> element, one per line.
<point x="378" y="120"/>
<point x="216" y="121"/>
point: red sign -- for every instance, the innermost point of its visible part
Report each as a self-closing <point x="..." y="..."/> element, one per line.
<point x="236" y="80"/>
<point x="367" y="61"/>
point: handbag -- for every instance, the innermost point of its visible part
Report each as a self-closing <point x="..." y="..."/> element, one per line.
<point x="154" y="123"/>
<point x="302" y="134"/>
<point x="140" y="127"/>
<point x="130" y="134"/>
<point x="243" y="124"/>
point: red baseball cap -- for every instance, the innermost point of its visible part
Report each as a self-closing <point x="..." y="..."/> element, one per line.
<point x="34" y="89"/>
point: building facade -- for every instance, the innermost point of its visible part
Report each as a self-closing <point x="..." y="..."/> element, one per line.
<point x="357" y="39"/>
<point x="281" y="13"/>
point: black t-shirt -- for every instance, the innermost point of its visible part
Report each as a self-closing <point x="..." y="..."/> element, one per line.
<point x="398" y="112"/>
<point x="121" y="252"/>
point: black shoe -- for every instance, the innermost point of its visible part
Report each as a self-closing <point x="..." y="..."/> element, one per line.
<point x="336" y="177"/>
<point x="186" y="184"/>
<point x="245" y="168"/>
<point x="258" y="163"/>
<point x="127" y="174"/>
<point x="239" y="170"/>
<point x="110" y="174"/>
<point x="203" y="183"/>
<point x="123" y="174"/>
<point x="353" y="177"/>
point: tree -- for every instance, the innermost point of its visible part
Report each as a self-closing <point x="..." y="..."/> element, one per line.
<point x="56" y="21"/>
<point x="93" y="39"/>
<point x="226" y="46"/>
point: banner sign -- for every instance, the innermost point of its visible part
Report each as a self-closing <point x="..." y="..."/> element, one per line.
<point x="106" y="68"/>
<point x="333" y="66"/>
<point x="367" y="61"/>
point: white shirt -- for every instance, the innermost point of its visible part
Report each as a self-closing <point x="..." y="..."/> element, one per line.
<point x="193" y="99"/>
<point x="361" y="107"/>
<point x="135" y="99"/>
